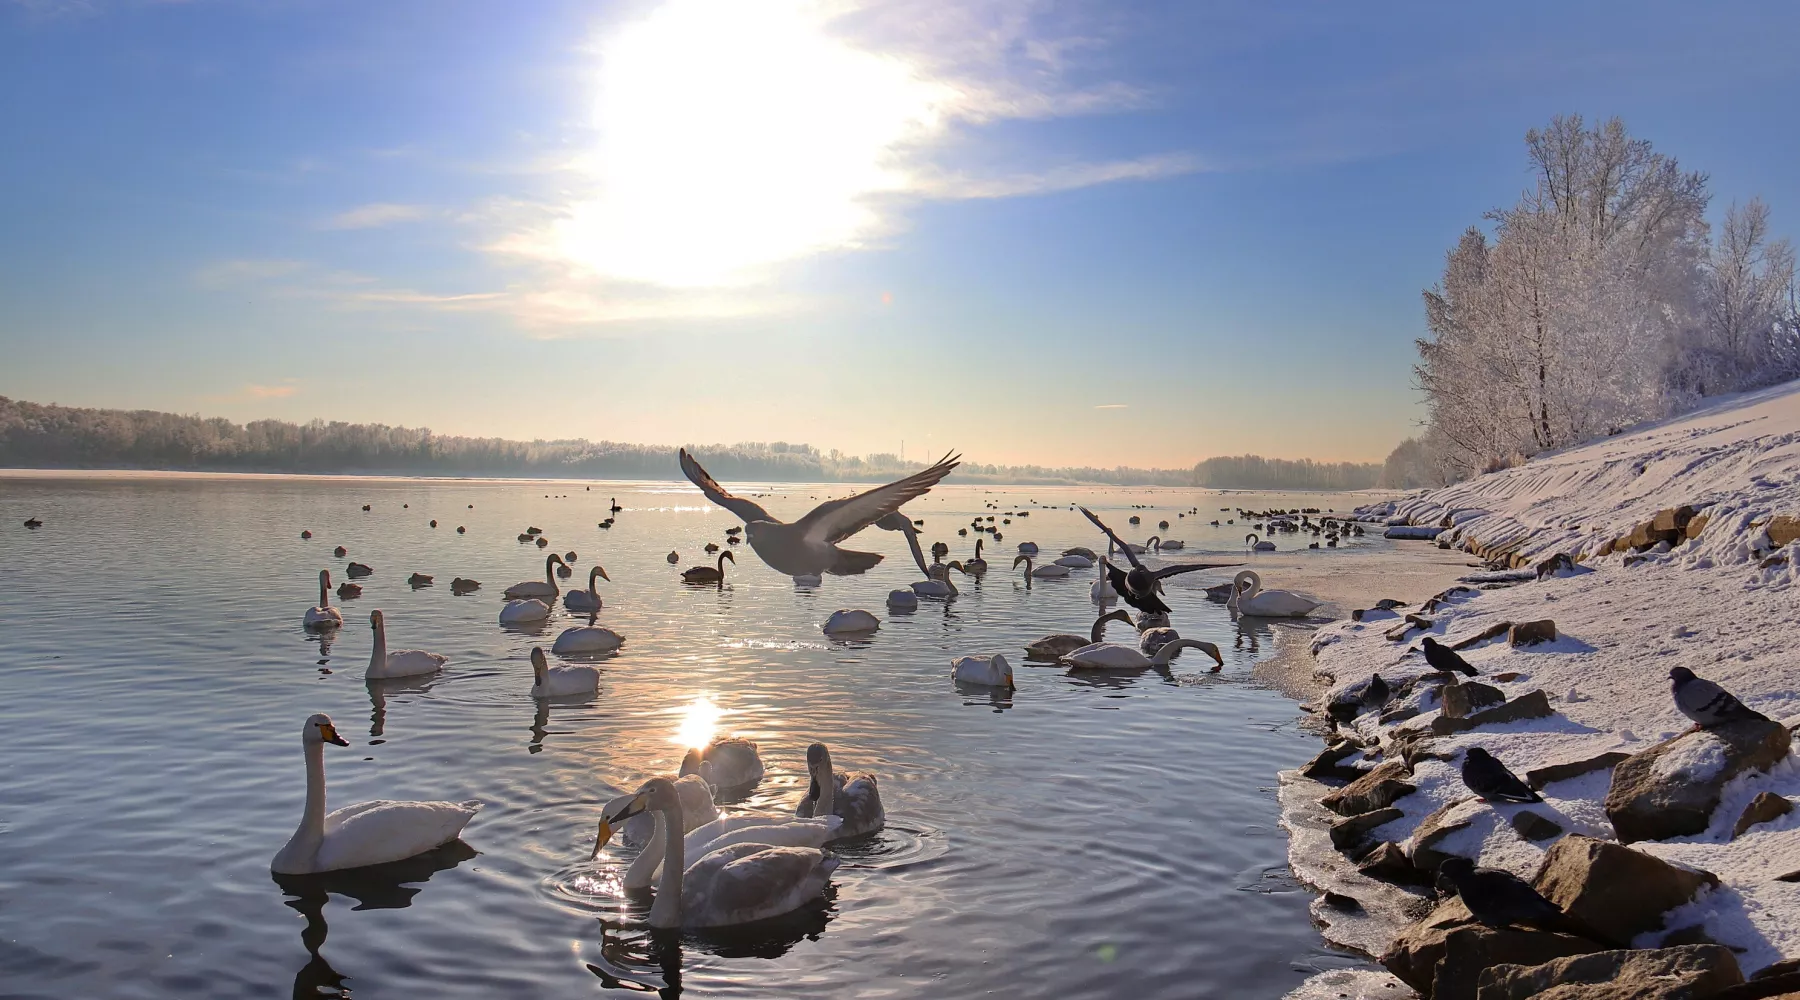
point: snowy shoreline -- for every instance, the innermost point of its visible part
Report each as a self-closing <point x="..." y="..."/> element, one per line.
<point x="1675" y="536"/>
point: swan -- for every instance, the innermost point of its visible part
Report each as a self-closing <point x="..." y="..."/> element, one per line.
<point x="1076" y="562"/>
<point x="988" y="671"/>
<point x="939" y="585"/>
<point x="589" y="599"/>
<point x="545" y="588"/>
<point x="589" y="638"/>
<point x="902" y="600"/>
<point x="1248" y="598"/>
<point x="367" y="833"/>
<point x="1055" y="647"/>
<point x="809" y="545"/>
<point x="852" y="621"/>
<point x="853" y="798"/>
<point x="528" y="609"/>
<point x="1112" y="656"/>
<point x="324" y="616"/>
<point x="732" y="762"/>
<point x="1028" y="548"/>
<point x="1041" y="572"/>
<point x="1152" y="639"/>
<point x="898" y="521"/>
<point x="976" y="567"/>
<point x="400" y="663"/>
<point x="716" y="834"/>
<point x="708" y="574"/>
<point x="1173" y="545"/>
<point x="737" y="884"/>
<point x="561" y="681"/>
<point x="1141" y="587"/>
<point x="1102" y="591"/>
<point x="697" y="810"/>
<point x="1083" y="551"/>
<point x="1256" y="544"/>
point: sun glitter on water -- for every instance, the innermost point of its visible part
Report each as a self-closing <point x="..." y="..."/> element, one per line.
<point x="699" y="723"/>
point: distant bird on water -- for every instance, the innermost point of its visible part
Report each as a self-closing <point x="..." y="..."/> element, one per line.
<point x="809" y="546"/>
<point x="1501" y="899"/>
<point x="1139" y="586"/>
<point x="1707" y="703"/>
<point x="1490" y="779"/>
<point x="1442" y="657"/>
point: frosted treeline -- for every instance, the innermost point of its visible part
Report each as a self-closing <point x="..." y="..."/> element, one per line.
<point x="1600" y="299"/>
<point x="33" y="435"/>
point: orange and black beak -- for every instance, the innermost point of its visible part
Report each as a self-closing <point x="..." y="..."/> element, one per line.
<point x="329" y="734"/>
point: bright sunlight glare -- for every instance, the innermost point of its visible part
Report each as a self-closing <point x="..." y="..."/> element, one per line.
<point x="699" y="723"/>
<point x="736" y="134"/>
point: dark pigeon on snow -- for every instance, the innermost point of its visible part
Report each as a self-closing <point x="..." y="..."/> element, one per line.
<point x="1502" y="899"/>
<point x="1442" y="657"/>
<point x="1490" y="779"/>
<point x="1707" y="703"/>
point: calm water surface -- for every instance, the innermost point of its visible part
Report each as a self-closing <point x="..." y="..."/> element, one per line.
<point x="1085" y="836"/>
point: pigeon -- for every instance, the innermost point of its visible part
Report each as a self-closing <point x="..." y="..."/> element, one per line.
<point x="1140" y="586"/>
<point x="1707" y="703"/>
<point x="1490" y="779"/>
<point x="1501" y="899"/>
<point x="1359" y="698"/>
<point x="1442" y="657"/>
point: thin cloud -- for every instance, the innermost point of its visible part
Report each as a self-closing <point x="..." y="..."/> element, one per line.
<point x="283" y="391"/>
<point x="375" y="215"/>
<point x="1067" y="178"/>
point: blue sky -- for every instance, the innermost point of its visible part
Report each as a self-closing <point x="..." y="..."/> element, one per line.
<point x="1110" y="233"/>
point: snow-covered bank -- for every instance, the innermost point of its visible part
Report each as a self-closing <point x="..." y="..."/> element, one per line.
<point x="1722" y="602"/>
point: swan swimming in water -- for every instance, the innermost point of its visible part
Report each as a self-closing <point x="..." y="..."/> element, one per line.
<point x="1248" y="598"/>
<point x="730" y="762"/>
<point x="853" y="798"/>
<point x="851" y="621"/>
<point x="402" y="662"/>
<point x="1112" y="656"/>
<point x="716" y="834"/>
<point x="545" y="588"/>
<point x="986" y="671"/>
<point x="1055" y="647"/>
<point x="589" y="599"/>
<point x="1076" y="562"/>
<point x="736" y="884"/>
<point x="810" y="545"/>
<point x="523" y="611"/>
<point x="902" y="600"/>
<point x="709" y="574"/>
<point x="367" y="833"/>
<point x="589" y="638"/>
<point x="1041" y="572"/>
<point x="561" y="681"/>
<point x="697" y="810"/>
<point x="324" y="616"/>
<point x="1256" y="544"/>
<point x="939" y="584"/>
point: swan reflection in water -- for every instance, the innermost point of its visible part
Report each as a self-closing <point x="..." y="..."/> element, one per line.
<point x="643" y="960"/>
<point x="381" y="688"/>
<point x="378" y="887"/>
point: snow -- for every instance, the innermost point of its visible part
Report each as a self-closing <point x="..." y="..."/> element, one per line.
<point x="1709" y="604"/>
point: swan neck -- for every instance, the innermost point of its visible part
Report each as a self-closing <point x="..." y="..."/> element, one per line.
<point x="666" y="911"/>
<point x="827" y="788"/>
<point x="311" y="832"/>
<point x="643" y="870"/>
<point x="324" y="596"/>
<point x="721" y="565"/>
<point x="378" y="655"/>
<point x="593" y="574"/>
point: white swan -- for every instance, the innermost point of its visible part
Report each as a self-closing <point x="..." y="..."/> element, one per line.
<point x="1112" y="656"/>
<point x="1028" y="548"/>
<point x="697" y="810"/>
<point x="855" y="799"/>
<point x="988" y="671"/>
<point x="528" y="609"/>
<point x="545" y="588"/>
<point x="1041" y="572"/>
<point x="589" y="638"/>
<point x="324" y="616"/>
<point x="1076" y="562"/>
<point x="367" y="833"/>
<point x="719" y="833"/>
<point x="737" y="884"/>
<point x="1256" y="544"/>
<point x="939" y="585"/>
<point x="589" y="599"/>
<point x="902" y="600"/>
<point x="1248" y="598"/>
<point x="1055" y="647"/>
<point x="1173" y="545"/>
<point x="561" y="681"/>
<point x="402" y="662"/>
<point x="851" y="621"/>
<point x="1102" y="591"/>
<point x="732" y="762"/>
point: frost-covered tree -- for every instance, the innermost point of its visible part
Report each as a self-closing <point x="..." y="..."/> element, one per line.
<point x="1745" y="335"/>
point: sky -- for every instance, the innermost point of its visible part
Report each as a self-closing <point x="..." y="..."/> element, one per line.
<point x="1103" y="233"/>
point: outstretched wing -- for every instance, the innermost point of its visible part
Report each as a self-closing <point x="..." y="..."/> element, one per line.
<point x="1117" y="541"/>
<point x="898" y="521"/>
<point x="1168" y="571"/>
<point x="749" y="510"/>
<point x="833" y="521"/>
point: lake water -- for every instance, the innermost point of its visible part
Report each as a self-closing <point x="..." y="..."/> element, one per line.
<point x="1083" y="837"/>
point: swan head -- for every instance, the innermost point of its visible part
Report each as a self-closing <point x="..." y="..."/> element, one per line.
<point x="318" y="729"/>
<point x="1022" y="558"/>
<point x="324" y="579"/>
<point x="539" y="665"/>
<point x="377" y="620"/>
<point x="728" y="557"/>
<point x="818" y="763"/>
<point x="656" y="795"/>
<point x="690" y="764"/>
<point x="599" y="571"/>
<point x="1247" y="582"/>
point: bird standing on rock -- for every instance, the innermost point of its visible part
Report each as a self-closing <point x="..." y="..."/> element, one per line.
<point x="1490" y="779"/>
<point x="1501" y="899"/>
<point x="1442" y="657"/>
<point x="1707" y="703"/>
<point x="1358" y="698"/>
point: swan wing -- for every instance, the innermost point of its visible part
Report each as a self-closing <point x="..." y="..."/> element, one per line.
<point x="1117" y="541"/>
<point x="858" y="802"/>
<point x="773" y="833"/>
<point x="748" y="510"/>
<point x="373" y="833"/>
<point x="749" y="882"/>
<point x="835" y="520"/>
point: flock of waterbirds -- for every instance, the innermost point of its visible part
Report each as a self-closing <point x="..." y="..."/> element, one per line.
<point x="717" y="869"/>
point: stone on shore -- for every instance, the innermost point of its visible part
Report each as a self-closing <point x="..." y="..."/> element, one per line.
<point x="1443" y="955"/>
<point x="1375" y="790"/>
<point x="1351" y="836"/>
<point x="1534" y="704"/>
<point x="1532" y="633"/>
<point x="1687" y="972"/>
<point x="1464" y="699"/>
<point x="1615" y="892"/>
<point x="1329" y="764"/>
<point x="1672" y="789"/>
<point x="1765" y="808"/>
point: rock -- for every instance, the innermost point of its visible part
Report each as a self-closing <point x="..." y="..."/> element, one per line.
<point x="1783" y="530"/>
<point x="1764" y="808"/>
<point x="1443" y="955"/>
<point x="1465" y="699"/>
<point x="1342" y="903"/>
<point x="1671" y="789"/>
<point x="1675" y="519"/>
<point x="1615" y="892"/>
<point x="1329" y="764"/>
<point x="1388" y="863"/>
<point x="1697" y="525"/>
<point x="1533" y="704"/>
<point x="1401" y="714"/>
<point x="1507" y="677"/>
<point x="1688" y="972"/>
<point x="1537" y="778"/>
<point x="1558" y="563"/>
<point x="1496" y="629"/>
<point x="1407" y="624"/>
<point x="1532" y="633"/>
<point x="1693" y="934"/>
<point x="1376" y="790"/>
<point x="1534" y="826"/>
<point x="1776" y="970"/>
<point x="1351" y="836"/>
<point x="1431" y="831"/>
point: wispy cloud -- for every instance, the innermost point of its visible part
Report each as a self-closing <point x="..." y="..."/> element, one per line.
<point x="1112" y="406"/>
<point x="281" y="391"/>
<point x="375" y="215"/>
<point x="1066" y="178"/>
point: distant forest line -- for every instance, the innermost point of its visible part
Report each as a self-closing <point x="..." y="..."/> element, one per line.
<point x="34" y="435"/>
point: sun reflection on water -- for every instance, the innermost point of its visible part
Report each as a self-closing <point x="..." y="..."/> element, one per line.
<point x="698" y="724"/>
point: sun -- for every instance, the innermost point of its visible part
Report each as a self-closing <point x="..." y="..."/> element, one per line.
<point x="736" y="134"/>
<point x="698" y="724"/>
